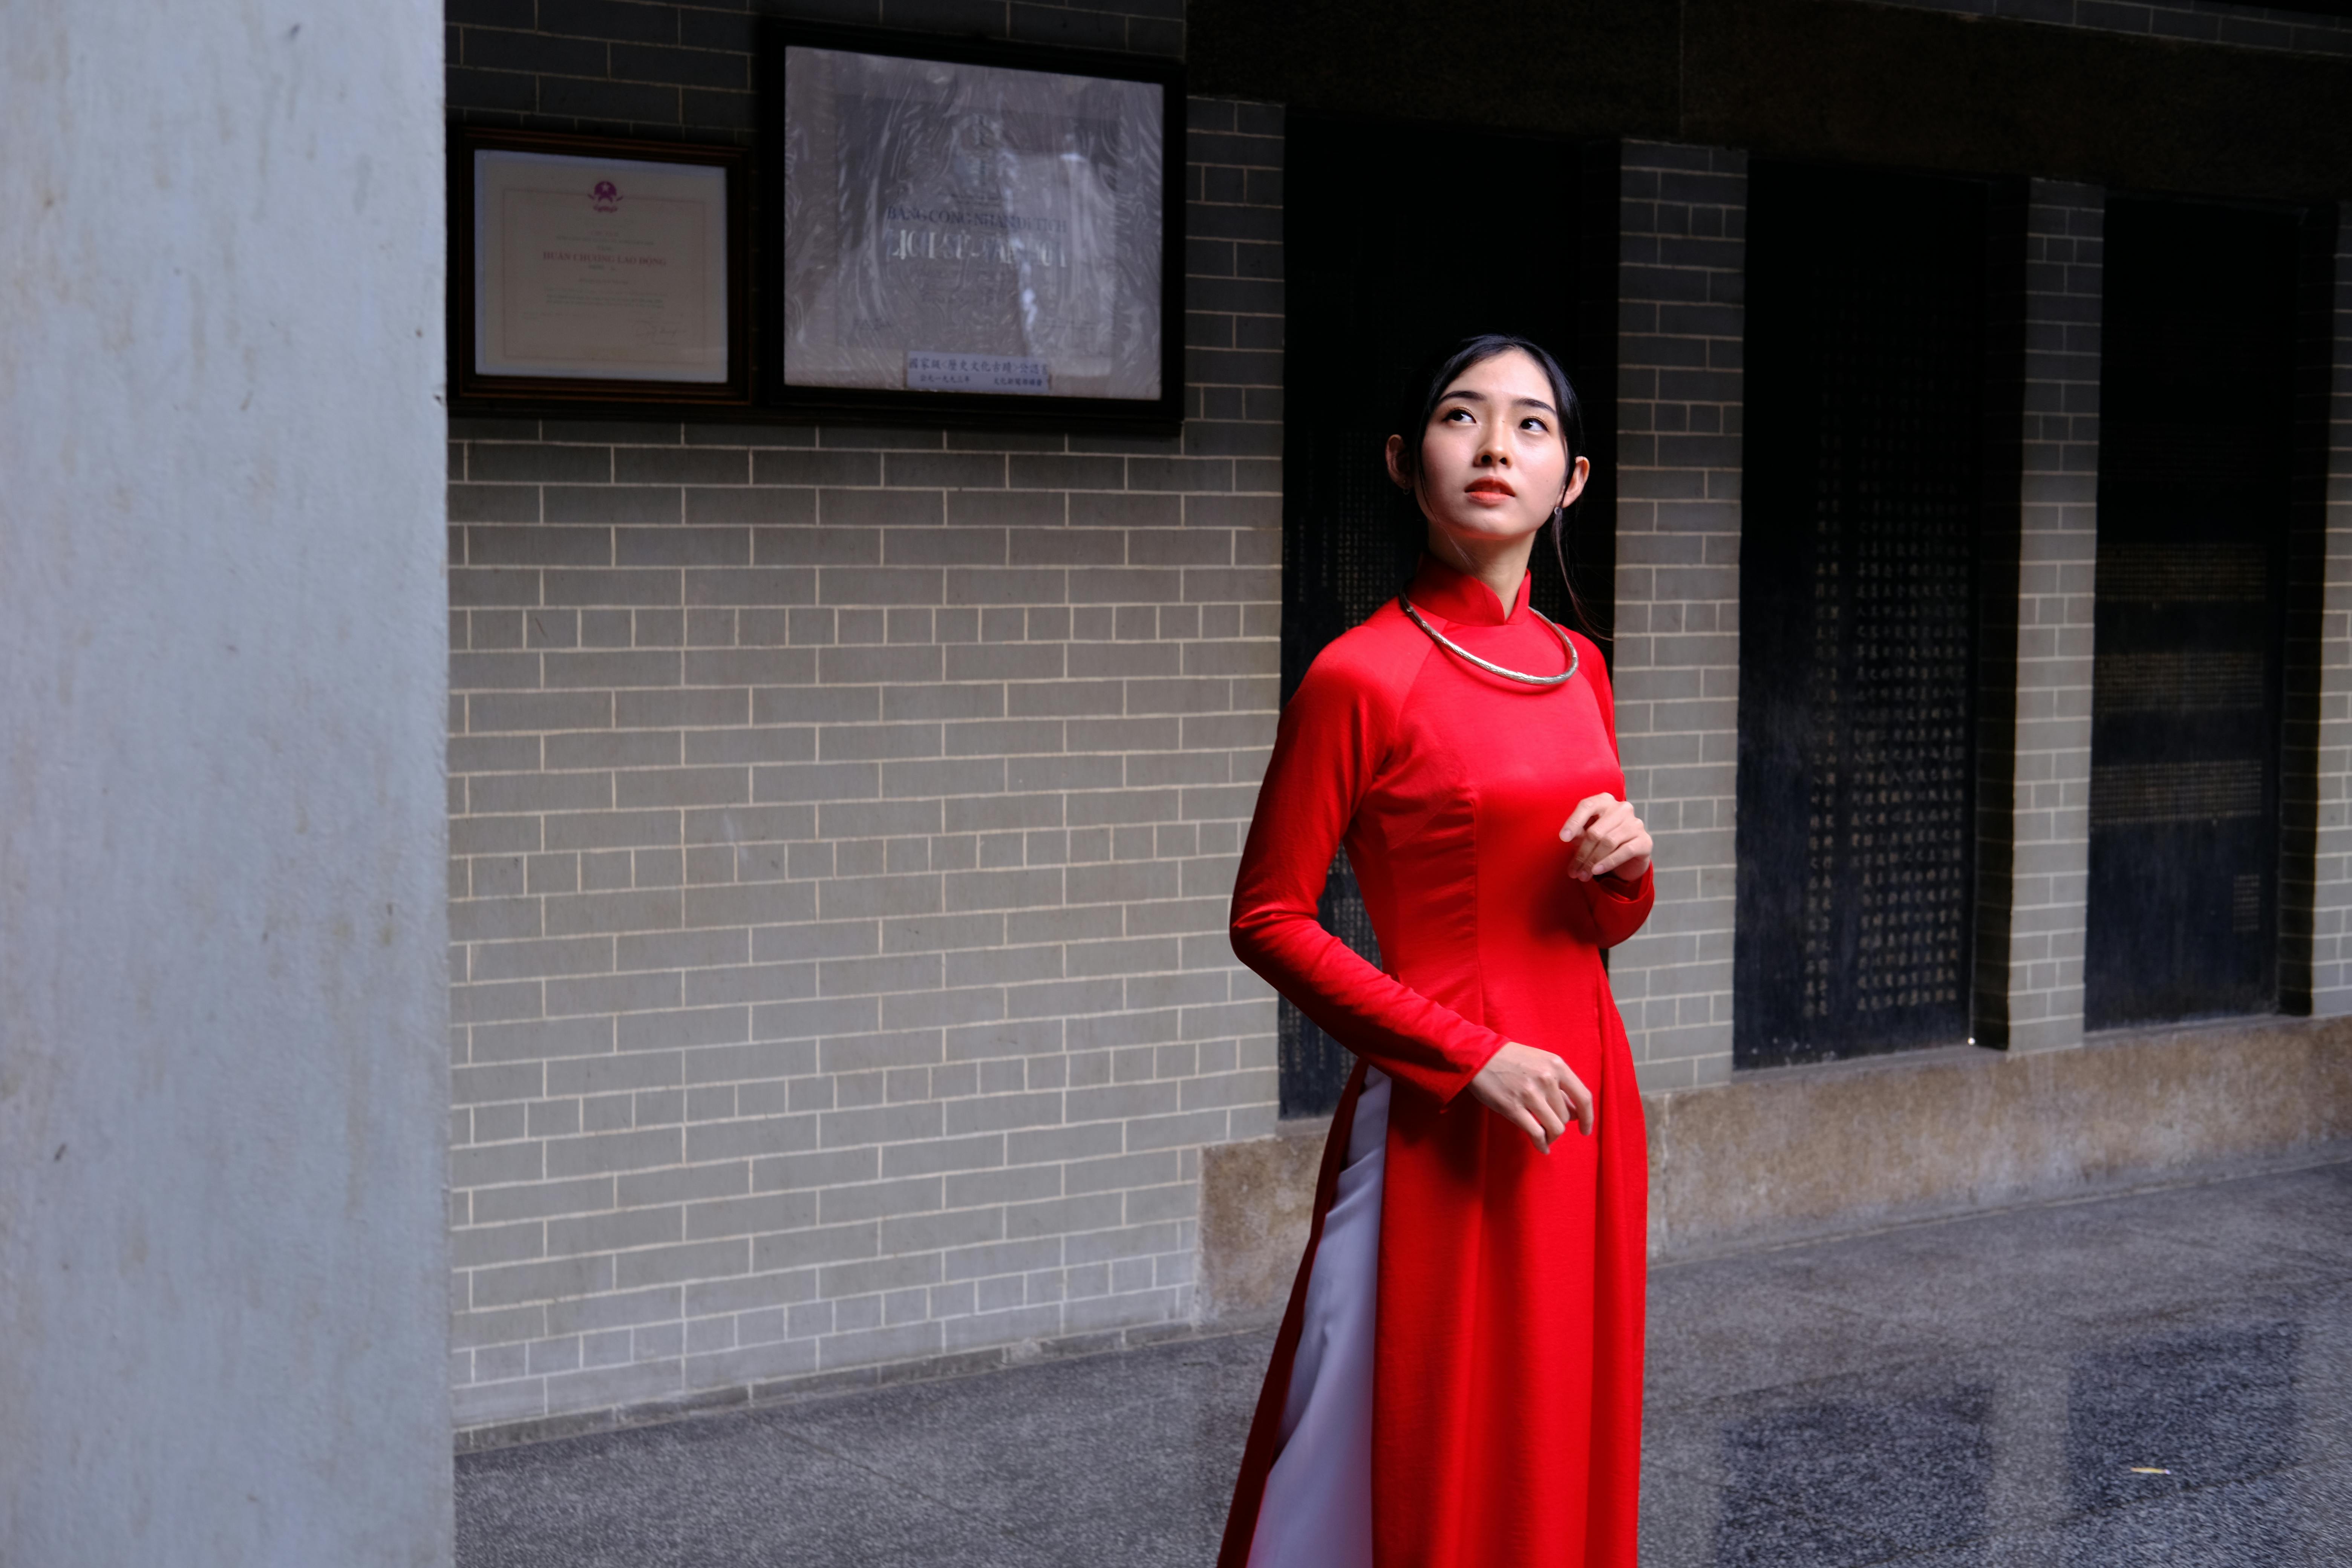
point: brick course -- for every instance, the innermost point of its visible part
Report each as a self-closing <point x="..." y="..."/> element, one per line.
<point x="656" y="66"/>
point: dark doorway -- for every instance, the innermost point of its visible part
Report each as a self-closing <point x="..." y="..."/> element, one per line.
<point x="1388" y="258"/>
<point x="1866" y="511"/>
<point x="2195" y="486"/>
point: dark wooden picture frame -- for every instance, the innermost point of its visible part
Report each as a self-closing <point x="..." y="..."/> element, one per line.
<point x="471" y="392"/>
<point x="1163" y="414"/>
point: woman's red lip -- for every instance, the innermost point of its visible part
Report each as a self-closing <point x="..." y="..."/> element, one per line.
<point x="1489" y="487"/>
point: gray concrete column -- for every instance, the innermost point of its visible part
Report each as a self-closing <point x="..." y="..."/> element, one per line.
<point x="223" y="1067"/>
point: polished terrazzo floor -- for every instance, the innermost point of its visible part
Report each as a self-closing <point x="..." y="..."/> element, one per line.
<point x="2158" y="1379"/>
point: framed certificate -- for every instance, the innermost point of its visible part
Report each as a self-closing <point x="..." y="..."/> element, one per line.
<point x="971" y="231"/>
<point x="594" y="269"/>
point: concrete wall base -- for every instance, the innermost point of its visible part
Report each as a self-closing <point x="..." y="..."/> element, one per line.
<point x="1798" y="1153"/>
<point x="1256" y="1198"/>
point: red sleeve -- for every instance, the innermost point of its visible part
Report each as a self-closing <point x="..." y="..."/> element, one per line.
<point x="1327" y="750"/>
<point x="1619" y="906"/>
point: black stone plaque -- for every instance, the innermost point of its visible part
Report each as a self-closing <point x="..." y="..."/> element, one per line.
<point x="2196" y="439"/>
<point x="1863" y="518"/>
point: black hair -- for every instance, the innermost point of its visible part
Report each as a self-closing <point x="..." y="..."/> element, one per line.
<point x="1427" y="388"/>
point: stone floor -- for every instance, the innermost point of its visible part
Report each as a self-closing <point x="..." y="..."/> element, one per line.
<point x="2162" y="1378"/>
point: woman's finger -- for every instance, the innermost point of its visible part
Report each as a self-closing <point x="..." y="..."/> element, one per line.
<point x="1563" y="1109"/>
<point x="1531" y="1127"/>
<point x="1582" y="817"/>
<point x="1636" y="847"/>
<point x="1582" y="851"/>
<point x="1611" y="831"/>
<point x="1599" y="845"/>
<point x="1581" y="1098"/>
<point x="1608" y="831"/>
<point x="1554" y="1124"/>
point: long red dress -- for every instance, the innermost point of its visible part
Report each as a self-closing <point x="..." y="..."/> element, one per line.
<point x="1508" y="1362"/>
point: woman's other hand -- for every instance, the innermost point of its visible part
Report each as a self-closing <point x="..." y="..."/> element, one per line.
<point x="1535" y="1092"/>
<point x="1608" y="838"/>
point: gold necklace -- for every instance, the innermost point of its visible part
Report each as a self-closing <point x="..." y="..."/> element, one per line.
<point x="1454" y="647"/>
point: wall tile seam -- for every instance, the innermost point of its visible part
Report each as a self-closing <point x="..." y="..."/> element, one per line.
<point x="1179" y="639"/>
<point x="809" y="1117"/>
<point x="1004" y="1209"/>
<point x="2297" y="31"/>
<point x="498" y="1268"/>
<point x="1043" y="1059"/>
<point x="458" y="60"/>
<point x="575" y="56"/>
<point x="904" y="487"/>
<point x="1270" y="145"/>
<point x="1131" y="1223"/>
<point x="1153" y="1234"/>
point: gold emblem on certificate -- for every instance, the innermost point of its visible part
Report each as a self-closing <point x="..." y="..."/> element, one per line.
<point x="971" y="228"/>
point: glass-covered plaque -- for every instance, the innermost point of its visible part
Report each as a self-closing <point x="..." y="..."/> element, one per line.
<point x="606" y="268"/>
<point x="591" y="267"/>
<point x="971" y="228"/>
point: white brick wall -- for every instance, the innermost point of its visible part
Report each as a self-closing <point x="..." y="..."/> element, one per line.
<point x="1680" y="330"/>
<point x="2058" y="557"/>
<point x="843" y="823"/>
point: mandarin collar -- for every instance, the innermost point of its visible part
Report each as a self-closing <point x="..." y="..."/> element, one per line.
<point x="1442" y="590"/>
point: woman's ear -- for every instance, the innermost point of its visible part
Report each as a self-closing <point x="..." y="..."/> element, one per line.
<point x="1576" y="475"/>
<point x="1397" y="476"/>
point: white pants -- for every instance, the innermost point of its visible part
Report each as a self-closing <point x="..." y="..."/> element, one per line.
<point x="1318" y="1508"/>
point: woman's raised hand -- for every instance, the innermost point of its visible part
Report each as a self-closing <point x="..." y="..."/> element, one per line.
<point x="1534" y="1091"/>
<point x="1608" y="837"/>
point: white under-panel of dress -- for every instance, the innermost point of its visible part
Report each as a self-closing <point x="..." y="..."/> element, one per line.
<point x="1318" y="1507"/>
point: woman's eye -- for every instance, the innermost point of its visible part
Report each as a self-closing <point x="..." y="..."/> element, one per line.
<point x="1457" y="414"/>
<point x="1532" y="423"/>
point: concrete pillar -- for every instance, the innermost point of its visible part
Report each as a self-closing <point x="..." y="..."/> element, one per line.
<point x="222" y="1071"/>
<point x="1681" y="326"/>
<point x="2058" y="560"/>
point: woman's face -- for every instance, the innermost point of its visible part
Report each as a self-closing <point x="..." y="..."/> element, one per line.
<point x="1493" y="461"/>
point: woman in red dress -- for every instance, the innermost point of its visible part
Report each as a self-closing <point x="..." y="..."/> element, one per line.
<point x="1457" y="1381"/>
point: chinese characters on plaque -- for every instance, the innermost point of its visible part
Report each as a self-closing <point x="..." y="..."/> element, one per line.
<point x="970" y="228"/>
